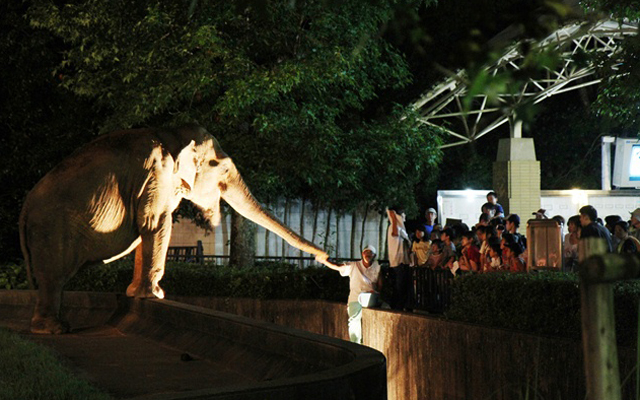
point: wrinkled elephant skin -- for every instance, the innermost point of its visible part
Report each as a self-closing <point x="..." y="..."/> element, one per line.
<point x="117" y="194"/>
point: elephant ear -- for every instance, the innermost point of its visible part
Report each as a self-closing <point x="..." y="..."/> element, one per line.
<point x="186" y="165"/>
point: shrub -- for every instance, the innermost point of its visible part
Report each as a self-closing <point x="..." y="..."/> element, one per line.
<point x="546" y="303"/>
<point x="272" y="281"/>
<point x="268" y="281"/>
<point x="13" y="276"/>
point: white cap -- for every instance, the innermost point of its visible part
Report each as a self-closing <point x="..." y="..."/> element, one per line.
<point x="370" y="248"/>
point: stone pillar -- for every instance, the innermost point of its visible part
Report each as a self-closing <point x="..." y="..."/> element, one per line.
<point x="516" y="177"/>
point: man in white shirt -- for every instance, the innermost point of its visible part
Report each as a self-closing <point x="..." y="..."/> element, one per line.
<point x="399" y="247"/>
<point x="364" y="288"/>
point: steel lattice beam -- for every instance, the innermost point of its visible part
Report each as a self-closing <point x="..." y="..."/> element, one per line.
<point x="442" y="105"/>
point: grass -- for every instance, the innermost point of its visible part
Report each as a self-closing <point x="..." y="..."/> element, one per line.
<point x="31" y="371"/>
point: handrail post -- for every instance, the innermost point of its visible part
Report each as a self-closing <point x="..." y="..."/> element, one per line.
<point x="598" y="328"/>
<point x="200" y="252"/>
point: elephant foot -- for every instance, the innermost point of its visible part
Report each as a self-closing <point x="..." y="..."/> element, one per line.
<point x="147" y="292"/>
<point x="49" y="326"/>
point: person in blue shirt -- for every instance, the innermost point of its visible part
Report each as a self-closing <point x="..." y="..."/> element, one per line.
<point x="430" y="221"/>
<point x="492" y="207"/>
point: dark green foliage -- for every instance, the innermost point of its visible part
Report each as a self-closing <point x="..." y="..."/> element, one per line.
<point x="626" y="308"/>
<point x="269" y="281"/>
<point x="112" y="277"/>
<point x="292" y="90"/>
<point x="13" y="276"/>
<point x="40" y="122"/>
<point x="542" y="303"/>
<point x="537" y="303"/>
<point x="32" y="371"/>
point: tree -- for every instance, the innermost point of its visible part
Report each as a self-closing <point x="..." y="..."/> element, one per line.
<point x="289" y="89"/>
<point x="40" y="122"/>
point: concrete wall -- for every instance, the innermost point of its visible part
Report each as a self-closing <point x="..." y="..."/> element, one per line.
<point x="431" y="358"/>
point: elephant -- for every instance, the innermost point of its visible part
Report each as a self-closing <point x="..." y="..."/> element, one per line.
<point x="116" y="194"/>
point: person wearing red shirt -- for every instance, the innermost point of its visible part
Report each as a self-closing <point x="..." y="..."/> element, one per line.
<point x="513" y="251"/>
<point x="470" y="260"/>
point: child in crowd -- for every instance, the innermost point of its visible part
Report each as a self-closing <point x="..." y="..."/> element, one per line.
<point x="485" y="234"/>
<point x="483" y="220"/>
<point x="506" y="238"/>
<point x="448" y="249"/>
<point x="513" y="250"/>
<point x="495" y="254"/>
<point x="420" y="247"/>
<point x="435" y="254"/>
<point x="470" y="256"/>
<point x="570" y="249"/>
<point x="435" y="233"/>
<point x="500" y="229"/>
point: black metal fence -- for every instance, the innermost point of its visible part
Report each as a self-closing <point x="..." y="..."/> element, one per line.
<point x="432" y="289"/>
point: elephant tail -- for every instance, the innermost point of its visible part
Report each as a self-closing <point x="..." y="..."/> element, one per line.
<point x="24" y="245"/>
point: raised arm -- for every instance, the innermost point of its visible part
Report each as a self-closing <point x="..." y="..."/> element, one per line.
<point x="394" y="222"/>
<point x="328" y="263"/>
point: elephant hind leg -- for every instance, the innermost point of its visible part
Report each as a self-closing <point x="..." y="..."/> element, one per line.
<point x="46" y="317"/>
<point x="52" y="273"/>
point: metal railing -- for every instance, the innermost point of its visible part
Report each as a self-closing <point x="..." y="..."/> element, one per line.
<point x="432" y="289"/>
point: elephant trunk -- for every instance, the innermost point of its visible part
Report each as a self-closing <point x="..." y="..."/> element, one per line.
<point x="237" y="195"/>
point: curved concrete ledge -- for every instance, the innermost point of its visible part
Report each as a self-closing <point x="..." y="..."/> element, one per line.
<point x="270" y="361"/>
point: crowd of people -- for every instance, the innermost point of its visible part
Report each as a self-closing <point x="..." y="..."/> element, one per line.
<point x="496" y="244"/>
<point x="493" y="244"/>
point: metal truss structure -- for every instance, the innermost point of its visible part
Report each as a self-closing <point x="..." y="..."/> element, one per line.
<point x="443" y="107"/>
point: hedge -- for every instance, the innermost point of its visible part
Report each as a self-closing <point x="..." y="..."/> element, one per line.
<point x="265" y="281"/>
<point x="546" y="303"/>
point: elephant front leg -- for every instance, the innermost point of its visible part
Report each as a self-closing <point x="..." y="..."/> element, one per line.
<point x="150" y="268"/>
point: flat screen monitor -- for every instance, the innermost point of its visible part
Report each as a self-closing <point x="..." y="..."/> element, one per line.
<point x="634" y="163"/>
<point x="626" y="167"/>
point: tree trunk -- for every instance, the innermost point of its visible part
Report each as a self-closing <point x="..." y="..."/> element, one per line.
<point x="382" y="239"/>
<point x="337" y="235"/>
<point x="364" y="223"/>
<point x="327" y="231"/>
<point x="301" y="253"/>
<point x="316" y="211"/>
<point x="243" y="241"/>
<point x="285" y="220"/>
<point x="354" y="224"/>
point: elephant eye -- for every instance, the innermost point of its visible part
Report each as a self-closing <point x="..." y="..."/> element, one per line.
<point x="213" y="163"/>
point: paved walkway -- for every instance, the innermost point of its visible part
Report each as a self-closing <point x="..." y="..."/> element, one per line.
<point x="129" y="366"/>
